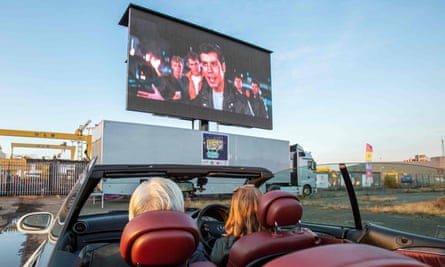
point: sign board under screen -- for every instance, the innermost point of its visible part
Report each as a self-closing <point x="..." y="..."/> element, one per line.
<point x="215" y="149"/>
<point x="181" y="70"/>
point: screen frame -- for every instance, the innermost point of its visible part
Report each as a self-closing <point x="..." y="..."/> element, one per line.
<point x="191" y="112"/>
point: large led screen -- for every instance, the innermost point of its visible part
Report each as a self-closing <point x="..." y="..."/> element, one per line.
<point x="182" y="70"/>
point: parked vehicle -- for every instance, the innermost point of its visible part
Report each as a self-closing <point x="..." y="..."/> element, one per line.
<point x="80" y="224"/>
<point x="300" y="179"/>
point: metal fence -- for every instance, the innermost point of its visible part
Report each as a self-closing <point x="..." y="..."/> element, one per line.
<point x="38" y="177"/>
<point x="335" y="181"/>
<point x="429" y="180"/>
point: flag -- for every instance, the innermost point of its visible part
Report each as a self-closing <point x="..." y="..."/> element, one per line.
<point x="369" y="152"/>
<point x="368" y="148"/>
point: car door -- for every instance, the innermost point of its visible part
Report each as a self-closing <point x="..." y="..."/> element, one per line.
<point x="336" y="217"/>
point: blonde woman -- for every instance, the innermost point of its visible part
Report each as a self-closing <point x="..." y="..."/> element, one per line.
<point x="242" y="220"/>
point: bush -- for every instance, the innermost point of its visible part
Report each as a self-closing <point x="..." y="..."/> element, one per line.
<point x="439" y="203"/>
<point x="390" y="182"/>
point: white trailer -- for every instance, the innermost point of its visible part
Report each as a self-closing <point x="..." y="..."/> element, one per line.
<point x="132" y="143"/>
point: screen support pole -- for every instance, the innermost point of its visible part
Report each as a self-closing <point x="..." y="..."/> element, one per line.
<point x="204" y="125"/>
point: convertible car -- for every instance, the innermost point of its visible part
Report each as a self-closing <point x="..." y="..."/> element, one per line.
<point x="89" y="232"/>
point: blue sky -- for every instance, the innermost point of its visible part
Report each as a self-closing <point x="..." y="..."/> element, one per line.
<point x="344" y="73"/>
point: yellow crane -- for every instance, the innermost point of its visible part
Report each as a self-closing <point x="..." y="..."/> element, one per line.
<point x="77" y="136"/>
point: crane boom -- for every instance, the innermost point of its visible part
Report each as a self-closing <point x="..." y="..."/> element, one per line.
<point x="50" y="135"/>
<point x="72" y="149"/>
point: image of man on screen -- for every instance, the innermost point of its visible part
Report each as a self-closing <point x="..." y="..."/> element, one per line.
<point x="215" y="92"/>
<point x="194" y="74"/>
<point x="256" y="101"/>
<point x="174" y="86"/>
<point x="242" y="104"/>
<point x="144" y="71"/>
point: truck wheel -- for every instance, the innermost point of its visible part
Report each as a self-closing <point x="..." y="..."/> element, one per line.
<point x="274" y="187"/>
<point x="307" y="190"/>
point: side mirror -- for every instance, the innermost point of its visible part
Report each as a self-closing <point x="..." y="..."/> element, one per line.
<point x="314" y="165"/>
<point x="35" y="223"/>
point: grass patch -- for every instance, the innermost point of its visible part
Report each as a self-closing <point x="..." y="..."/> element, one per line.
<point x="377" y="199"/>
<point x="434" y="208"/>
<point x="430" y="208"/>
<point x="336" y="206"/>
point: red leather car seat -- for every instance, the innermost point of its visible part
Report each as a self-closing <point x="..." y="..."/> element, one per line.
<point x="345" y="255"/>
<point x="276" y="209"/>
<point x="160" y="238"/>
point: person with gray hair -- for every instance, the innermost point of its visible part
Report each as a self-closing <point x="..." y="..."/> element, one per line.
<point x="156" y="194"/>
<point x="161" y="194"/>
<point x="153" y="195"/>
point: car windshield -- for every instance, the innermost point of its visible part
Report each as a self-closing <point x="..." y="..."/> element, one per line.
<point x="113" y="195"/>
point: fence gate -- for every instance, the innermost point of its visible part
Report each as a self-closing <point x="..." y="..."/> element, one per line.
<point x="38" y="177"/>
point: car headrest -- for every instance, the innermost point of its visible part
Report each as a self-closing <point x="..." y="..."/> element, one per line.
<point x="155" y="238"/>
<point x="279" y="208"/>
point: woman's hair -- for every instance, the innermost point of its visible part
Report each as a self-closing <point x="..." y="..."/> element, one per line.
<point x="156" y="194"/>
<point x="243" y="217"/>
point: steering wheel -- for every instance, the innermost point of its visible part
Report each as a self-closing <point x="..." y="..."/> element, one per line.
<point x="211" y="220"/>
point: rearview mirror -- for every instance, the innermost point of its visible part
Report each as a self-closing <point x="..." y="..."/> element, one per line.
<point x="186" y="186"/>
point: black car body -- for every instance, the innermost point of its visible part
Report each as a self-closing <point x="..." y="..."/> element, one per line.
<point x="79" y="222"/>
